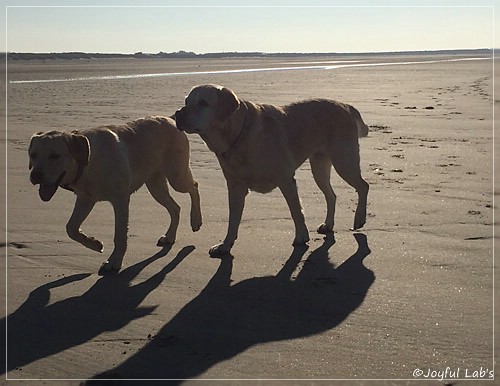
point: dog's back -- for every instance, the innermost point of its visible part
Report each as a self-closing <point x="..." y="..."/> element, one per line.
<point x="337" y="118"/>
<point x="317" y="124"/>
<point x="137" y="150"/>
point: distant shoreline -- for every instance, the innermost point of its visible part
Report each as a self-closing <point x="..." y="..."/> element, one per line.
<point x="216" y="55"/>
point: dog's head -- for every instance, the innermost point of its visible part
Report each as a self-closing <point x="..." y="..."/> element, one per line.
<point x="206" y="107"/>
<point x="54" y="159"/>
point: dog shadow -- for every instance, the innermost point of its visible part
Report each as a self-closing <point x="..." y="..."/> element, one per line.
<point x="224" y="320"/>
<point x="37" y="330"/>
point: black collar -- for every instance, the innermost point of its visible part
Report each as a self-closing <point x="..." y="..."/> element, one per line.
<point x="240" y="135"/>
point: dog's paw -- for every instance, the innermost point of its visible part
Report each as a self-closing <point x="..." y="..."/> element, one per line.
<point x="165" y="241"/>
<point x="94" y="244"/>
<point x="358" y="224"/>
<point x="219" y="250"/>
<point x="301" y="240"/>
<point x="359" y="218"/>
<point x="196" y="223"/>
<point x="324" y="229"/>
<point x="108" y="269"/>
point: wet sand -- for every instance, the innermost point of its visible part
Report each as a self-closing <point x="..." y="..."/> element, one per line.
<point x="412" y="290"/>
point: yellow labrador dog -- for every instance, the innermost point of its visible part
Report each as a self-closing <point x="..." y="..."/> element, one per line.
<point x="109" y="164"/>
<point x="260" y="146"/>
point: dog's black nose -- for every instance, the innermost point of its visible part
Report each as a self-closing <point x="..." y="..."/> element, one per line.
<point x="36" y="177"/>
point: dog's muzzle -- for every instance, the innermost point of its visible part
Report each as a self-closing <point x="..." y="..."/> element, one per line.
<point x="36" y="177"/>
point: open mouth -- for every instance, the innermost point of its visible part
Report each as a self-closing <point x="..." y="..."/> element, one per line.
<point x="47" y="191"/>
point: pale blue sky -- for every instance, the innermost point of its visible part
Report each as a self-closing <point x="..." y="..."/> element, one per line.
<point x="389" y="26"/>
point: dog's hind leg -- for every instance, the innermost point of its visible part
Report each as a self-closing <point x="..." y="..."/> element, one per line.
<point x="183" y="182"/>
<point x="321" y="167"/>
<point x="289" y="190"/>
<point x="80" y="212"/>
<point x="159" y="190"/>
<point x="345" y="159"/>
<point x="196" y="218"/>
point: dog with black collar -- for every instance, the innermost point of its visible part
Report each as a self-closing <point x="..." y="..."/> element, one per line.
<point x="259" y="147"/>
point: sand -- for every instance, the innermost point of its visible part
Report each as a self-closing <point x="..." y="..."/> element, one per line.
<point x="412" y="290"/>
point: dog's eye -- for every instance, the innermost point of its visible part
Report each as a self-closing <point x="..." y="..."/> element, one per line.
<point x="54" y="156"/>
<point x="202" y="103"/>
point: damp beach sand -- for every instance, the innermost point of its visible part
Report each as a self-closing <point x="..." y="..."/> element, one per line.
<point x="413" y="290"/>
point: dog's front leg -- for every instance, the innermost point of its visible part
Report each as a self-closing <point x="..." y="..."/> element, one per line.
<point x="121" y="209"/>
<point x="289" y="190"/>
<point x="237" y="193"/>
<point x="81" y="211"/>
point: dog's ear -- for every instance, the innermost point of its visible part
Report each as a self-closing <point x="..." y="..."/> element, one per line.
<point x="33" y="137"/>
<point x="228" y="103"/>
<point x="79" y="147"/>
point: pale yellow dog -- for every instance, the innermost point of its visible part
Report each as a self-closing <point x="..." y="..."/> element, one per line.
<point x="260" y="146"/>
<point x="109" y="164"/>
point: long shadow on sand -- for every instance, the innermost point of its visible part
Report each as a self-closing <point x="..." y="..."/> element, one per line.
<point x="225" y="320"/>
<point x="37" y="330"/>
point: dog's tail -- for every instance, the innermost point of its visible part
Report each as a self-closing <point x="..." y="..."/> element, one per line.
<point x="362" y="126"/>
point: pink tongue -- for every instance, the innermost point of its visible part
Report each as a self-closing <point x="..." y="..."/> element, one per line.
<point x="46" y="191"/>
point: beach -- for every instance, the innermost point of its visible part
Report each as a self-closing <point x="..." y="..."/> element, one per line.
<point x="407" y="297"/>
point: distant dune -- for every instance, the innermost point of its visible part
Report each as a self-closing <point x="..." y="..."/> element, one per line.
<point x="187" y="55"/>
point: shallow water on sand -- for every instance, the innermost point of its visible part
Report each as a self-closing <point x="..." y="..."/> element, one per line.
<point x="296" y="66"/>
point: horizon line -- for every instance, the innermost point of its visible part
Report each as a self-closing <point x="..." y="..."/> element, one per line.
<point x="184" y="52"/>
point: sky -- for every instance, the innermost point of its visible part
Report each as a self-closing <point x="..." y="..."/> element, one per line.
<point x="277" y="26"/>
